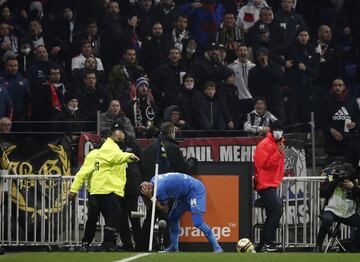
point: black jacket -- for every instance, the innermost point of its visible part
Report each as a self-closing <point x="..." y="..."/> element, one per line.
<point x="189" y="102"/>
<point x="134" y="171"/>
<point x="176" y="161"/>
<point x="211" y="115"/>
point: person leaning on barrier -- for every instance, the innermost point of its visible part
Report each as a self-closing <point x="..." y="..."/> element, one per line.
<point x="342" y="196"/>
<point x="108" y="181"/>
<point x="85" y="174"/>
<point x="269" y="158"/>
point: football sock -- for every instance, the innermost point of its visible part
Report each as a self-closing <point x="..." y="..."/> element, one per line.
<point x="199" y="223"/>
<point x="174" y="235"/>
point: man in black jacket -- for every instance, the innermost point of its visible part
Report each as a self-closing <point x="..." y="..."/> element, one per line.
<point x="342" y="193"/>
<point x="340" y="116"/>
<point x="265" y="81"/>
<point x="129" y="203"/>
<point x="170" y="160"/>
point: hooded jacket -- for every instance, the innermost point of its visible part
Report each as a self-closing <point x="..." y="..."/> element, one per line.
<point x="269" y="164"/>
<point x="109" y="174"/>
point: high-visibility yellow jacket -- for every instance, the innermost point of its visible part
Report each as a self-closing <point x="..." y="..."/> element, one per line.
<point x="109" y="174"/>
<point x="85" y="172"/>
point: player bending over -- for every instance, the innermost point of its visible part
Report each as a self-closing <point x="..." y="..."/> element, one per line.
<point x="189" y="194"/>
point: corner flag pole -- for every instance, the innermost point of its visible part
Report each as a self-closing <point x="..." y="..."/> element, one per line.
<point x="157" y="160"/>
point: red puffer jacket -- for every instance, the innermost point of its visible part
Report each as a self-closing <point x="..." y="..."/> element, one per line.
<point x="269" y="164"/>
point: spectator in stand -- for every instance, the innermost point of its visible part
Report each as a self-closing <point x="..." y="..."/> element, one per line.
<point x="167" y="80"/>
<point x="69" y="27"/>
<point x="264" y="40"/>
<point x="40" y="67"/>
<point x="266" y="18"/>
<point x="229" y="96"/>
<point x="205" y="17"/>
<point x="349" y="22"/>
<point x="265" y="80"/>
<point x="229" y="34"/>
<point x="301" y="69"/>
<point x="6" y="106"/>
<point x="90" y="64"/>
<point x="92" y="97"/>
<point x="209" y="68"/>
<point x="339" y="119"/>
<point x="113" y="36"/>
<point x="190" y="54"/>
<point x="17" y="87"/>
<point x="6" y="14"/>
<point x="93" y="35"/>
<point x="249" y="14"/>
<point x="155" y="49"/>
<point x="259" y="120"/>
<point x="173" y="114"/>
<point x="289" y="21"/>
<point x="242" y="67"/>
<point x="115" y="114"/>
<point x="57" y="47"/>
<point x="142" y="110"/>
<point x="8" y="41"/>
<point x="180" y="33"/>
<point x="330" y="62"/>
<point x="72" y="114"/>
<point x="78" y="62"/>
<point x="211" y="115"/>
<point x="144" y="10"/>
<point x="48" y="98"/>
<point x="166" y="13"/>
<point x="5" y="125"/>
<point x="189" y="100"/>
<point x="121" y="81"/>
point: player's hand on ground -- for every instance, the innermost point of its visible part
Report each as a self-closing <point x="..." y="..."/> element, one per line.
<point x="71" y="196"/>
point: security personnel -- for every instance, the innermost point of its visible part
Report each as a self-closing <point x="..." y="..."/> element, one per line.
<point x="108" y="181"/>
<point x="84" y="174"/>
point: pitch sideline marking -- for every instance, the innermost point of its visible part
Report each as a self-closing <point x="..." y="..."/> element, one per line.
<point x="133" y="257"/>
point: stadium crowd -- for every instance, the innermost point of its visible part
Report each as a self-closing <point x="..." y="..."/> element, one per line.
<point x="199" y="64"/>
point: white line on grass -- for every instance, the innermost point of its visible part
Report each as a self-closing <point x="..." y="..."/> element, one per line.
<point x="133" y="257"/>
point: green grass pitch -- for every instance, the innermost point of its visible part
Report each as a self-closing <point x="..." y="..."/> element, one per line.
<point x="181" y="257"/>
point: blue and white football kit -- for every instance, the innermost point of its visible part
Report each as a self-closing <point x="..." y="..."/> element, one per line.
<point x="189" y="194"/>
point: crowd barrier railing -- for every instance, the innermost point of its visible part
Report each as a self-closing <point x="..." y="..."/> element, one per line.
<point x="301" y="213"/>
<point x="35" y="211"/>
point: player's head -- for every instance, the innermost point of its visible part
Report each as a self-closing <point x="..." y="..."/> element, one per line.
<point x="168" y="129"/>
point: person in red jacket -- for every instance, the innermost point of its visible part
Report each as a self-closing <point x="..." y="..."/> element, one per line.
<point x="269" y="172"/>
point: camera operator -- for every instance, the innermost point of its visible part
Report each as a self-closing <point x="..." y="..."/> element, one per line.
<point x="342" y="194"/>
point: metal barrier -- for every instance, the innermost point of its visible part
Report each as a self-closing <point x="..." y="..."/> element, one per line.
<point x="34" y="211"/>
<point x="300" y="221"/>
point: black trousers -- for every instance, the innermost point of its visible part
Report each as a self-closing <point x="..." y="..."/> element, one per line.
<point x="328" y="217"/>
<point x="273" y="209"/>
<point x="92" y="219"/>
<point x="129" y="203"/>
<point x="110" y="208"/>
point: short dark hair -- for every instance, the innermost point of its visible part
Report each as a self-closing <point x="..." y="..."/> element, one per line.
<point x="88" y="72"/>
<point x="10" y="57"/>
<point x="182" y="16"/>
<point x="54" y="67"/>
<point x="166" y="128"/>
<point x="259" y="98"/>
<point x="209" y="83"/>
